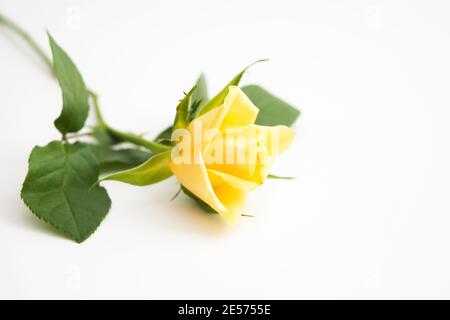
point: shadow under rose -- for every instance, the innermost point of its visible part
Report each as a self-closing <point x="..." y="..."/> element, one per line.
<point x="186" y="216"/>
<point x="153" y="206"/>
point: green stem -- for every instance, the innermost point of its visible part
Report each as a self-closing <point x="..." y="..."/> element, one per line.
<point x="97" y="112"/>
<point x="134" y="138"/>
<point x="124" y="136"/>
<point x="128" y="137"/>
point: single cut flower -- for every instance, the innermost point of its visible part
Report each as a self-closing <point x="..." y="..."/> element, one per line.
<point x="222" y="154"/>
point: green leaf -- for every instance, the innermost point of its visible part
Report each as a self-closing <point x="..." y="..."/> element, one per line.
<point x="182" y="116"/>
<point x="75" y="97"/>
<point x="200" y="95"/>
<point x="58" y="189"/>
<point x="220" y="97"/>
<point x="151" y="171"/>
<point x="195" y="105"/>
<point x="202" y="204"/>
<point x="111" y="158"/>
<point x="164" y="135"/>
<point x="272" y="110"/>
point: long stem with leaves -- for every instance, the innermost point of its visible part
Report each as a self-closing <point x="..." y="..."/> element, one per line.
<point x="123" y="136"/>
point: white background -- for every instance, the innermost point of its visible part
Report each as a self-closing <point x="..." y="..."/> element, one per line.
<point x="368" y="215"/>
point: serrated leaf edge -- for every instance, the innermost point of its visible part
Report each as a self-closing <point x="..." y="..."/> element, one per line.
<point x="68" y="234"/>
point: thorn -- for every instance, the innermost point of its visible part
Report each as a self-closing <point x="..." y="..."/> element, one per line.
<point x="247" y="215"/>
<point x="175" y="195"/>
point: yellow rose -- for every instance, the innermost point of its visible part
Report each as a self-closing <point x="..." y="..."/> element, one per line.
<point x="224" y="154"/>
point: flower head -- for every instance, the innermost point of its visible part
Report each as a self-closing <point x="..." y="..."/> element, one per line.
<point x="222" y="154"/>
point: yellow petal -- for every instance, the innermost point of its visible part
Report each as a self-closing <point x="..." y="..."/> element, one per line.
<point x="210" y="120"/>
<point x="262" y="167"/>
<point x="236" y="111"/>
<point x="194" y="177"/>
<point x="217" y="178"/>
<point x="234" y="199"/>
<point x="240" y="110"/>
<point x="225" y="199"/>
<point x="238" y="155"/>
<point x="231" y="191"/>
<point x="271" y="141"/>
<point x="276" y="139"/>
